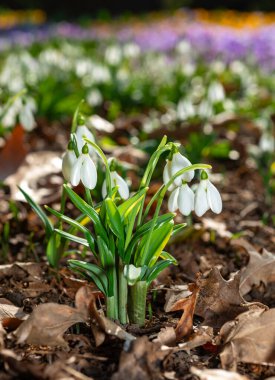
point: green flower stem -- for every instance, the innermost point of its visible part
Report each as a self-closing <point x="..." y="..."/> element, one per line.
<point x="88" y="196"/>
<point x="75" y="117"/>
<point x="111" y="307"/>
<point x="137" y="302"/>
<point x="161" y="194"/>
<point x="105" y="161"/>
<point x="151" y="165"/>
<point x="122" y="296"/>
<point x="150" y="170"/>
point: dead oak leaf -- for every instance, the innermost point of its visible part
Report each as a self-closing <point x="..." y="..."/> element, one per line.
<point x="48" y="322"/>
<point x="261" y="268"/>
<point x="249" y="339"/>
<point x="219" y="300"/>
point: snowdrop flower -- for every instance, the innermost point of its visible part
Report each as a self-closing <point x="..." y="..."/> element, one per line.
<point x="81" y="132"/>
<point x="132" y="273"/>
<point x="117" y="180"/>
<point x="69" y="159"/>
<point x="267" y="143"/>
<point x="26" y="116"/>
<point x="182" y="198"/>
<point x="185" y="110"/>
<point x="216" y="92"/>
<point x="84" y="169"/>
<point x="177" y="163"/>
<point x="207" y="197"/>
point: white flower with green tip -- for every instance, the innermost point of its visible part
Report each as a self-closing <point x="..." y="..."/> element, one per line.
<point x="177" y="163"/>
<point x="182" y="198"/>
<point x="84" y="170"/>
<point x="207" y="197"/>
<point x="117" y="180"/>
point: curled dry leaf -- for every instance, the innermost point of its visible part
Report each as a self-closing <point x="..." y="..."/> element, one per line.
<point x="174" y="294"/>
<point x="219" y="300"/>
<point x="216" y="374"/>
<point x="249" y="339"/>
<point x="261" y="267"/>
<point x="185" y="325"/>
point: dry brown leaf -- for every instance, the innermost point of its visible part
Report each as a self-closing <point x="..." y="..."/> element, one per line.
<point x="166" y="337"/>
<point x="13" y="153"/>
<point x="261" y="267"/>
<point x="38" y="176"/>
<point x="175" y="294"/>
<point x="185" y="324"/>
<point x="19" y="368"/>
<point x="48" y="322"/>
<point x="141" y="362"/>
<point x="201" y="336"/>
<point x="250" y="338"/>
<point x="216" y="374"/>
<point x="107" y="326"/>
<point x="219" y="300"/>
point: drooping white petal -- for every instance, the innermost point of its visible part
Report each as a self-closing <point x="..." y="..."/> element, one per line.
<point x="69" y="159"/>
<point x="81" y="132"/>
<point x="26" y="118"/>
<point x="122" y="185"/>
<point x="104" y="190"/>
<point x="88" y="173"/>
<point x="75" y="173"/>
<point x="214" y="198"/>
<point x="173" y="200"/>
<point x="186" y="200"/>
<point x="180" y="162"/>
<point x="167" y="175"/>
<point x="201" y="201"/>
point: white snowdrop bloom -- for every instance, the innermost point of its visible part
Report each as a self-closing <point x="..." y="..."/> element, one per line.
<point x="81" y="132"/>
<point x="113" y="55"/>
<point x="84" y="170"/>
<point x="132" y="273"/>
<point x="216" y="92"/>
<point x="117" y="180"/>
<point x="131" y="50"/>
<point x="177" y="163"/>
<point x="205" y="109"/>
<point x="69" y="159"/>
<point x="267" y="143"/>
<point x="207" y="197"/>
<point x="185" y="110"/>
<point x="26" y="117"/>
<point x="182" y="198"/>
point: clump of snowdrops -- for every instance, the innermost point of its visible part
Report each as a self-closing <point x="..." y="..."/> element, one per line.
<point x="127" y="243"/>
